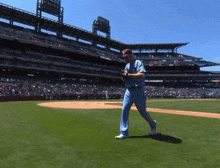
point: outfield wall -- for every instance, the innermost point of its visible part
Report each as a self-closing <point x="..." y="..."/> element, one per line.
<point x="81" y="96"/>
<point x="60" y="97"/>
<point x="22" y="98"/>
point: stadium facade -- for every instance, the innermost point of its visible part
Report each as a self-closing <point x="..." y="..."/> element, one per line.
<point x="72" y="53"/>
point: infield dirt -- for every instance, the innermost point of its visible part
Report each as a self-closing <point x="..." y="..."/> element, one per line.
<point x="118" y="105"/>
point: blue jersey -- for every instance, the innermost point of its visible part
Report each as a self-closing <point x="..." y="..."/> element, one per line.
<point x="135" y="67"/>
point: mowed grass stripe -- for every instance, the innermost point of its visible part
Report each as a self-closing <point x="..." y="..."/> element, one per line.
<point x="36" y="136"/>
<point x="24" y="143"/>
<point x="209" y="105"/>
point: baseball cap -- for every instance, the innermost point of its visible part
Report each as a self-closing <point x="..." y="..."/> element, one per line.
<point x="126" y="53"/>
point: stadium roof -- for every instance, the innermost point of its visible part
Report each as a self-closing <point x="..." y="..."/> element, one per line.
<point x="8" y="12"/>
<point x="165" y="46"/>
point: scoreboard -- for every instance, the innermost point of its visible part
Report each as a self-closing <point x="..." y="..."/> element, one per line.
<point x="51" y="6"/>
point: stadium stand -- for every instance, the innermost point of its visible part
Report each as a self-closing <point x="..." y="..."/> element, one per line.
<point x="72" y="65"/>
<point x="49" y="89"/>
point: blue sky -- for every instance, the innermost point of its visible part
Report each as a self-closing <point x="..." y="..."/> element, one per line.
<point x="148" y="21"/>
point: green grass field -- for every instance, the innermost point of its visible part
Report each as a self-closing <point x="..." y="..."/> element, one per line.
<point x="39" y="137"/>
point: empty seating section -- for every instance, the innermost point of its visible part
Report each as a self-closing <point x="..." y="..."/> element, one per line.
<point x="38" y="60"/>
<point x="51" y="40"/>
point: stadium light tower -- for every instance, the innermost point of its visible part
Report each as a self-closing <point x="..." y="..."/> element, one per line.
<point x="101" y="24"/>
<point x="52" y="7"/>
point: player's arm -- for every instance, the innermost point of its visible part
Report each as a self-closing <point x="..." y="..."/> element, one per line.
<point x="131" y="75"/>
<point x="140" y="74"/>
<point x="136" y="75"/>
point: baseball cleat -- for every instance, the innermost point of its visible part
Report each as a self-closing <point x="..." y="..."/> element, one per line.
<point x="153" y="130"/>
<point x="121" y="136"/>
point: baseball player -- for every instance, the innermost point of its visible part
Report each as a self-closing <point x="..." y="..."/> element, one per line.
<point x="134" y="74"/>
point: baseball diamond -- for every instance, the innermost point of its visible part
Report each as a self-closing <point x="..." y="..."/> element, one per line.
<point x="72" y="133"/>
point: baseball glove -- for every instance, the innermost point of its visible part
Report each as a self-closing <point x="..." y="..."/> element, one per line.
<point x="124" y="75"/>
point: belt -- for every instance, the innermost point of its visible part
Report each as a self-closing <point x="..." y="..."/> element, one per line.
<point x="134" y="87"/>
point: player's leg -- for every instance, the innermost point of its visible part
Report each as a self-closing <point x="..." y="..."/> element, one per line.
<point x="127" y="103"/>
<point x="140" y="103"/>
